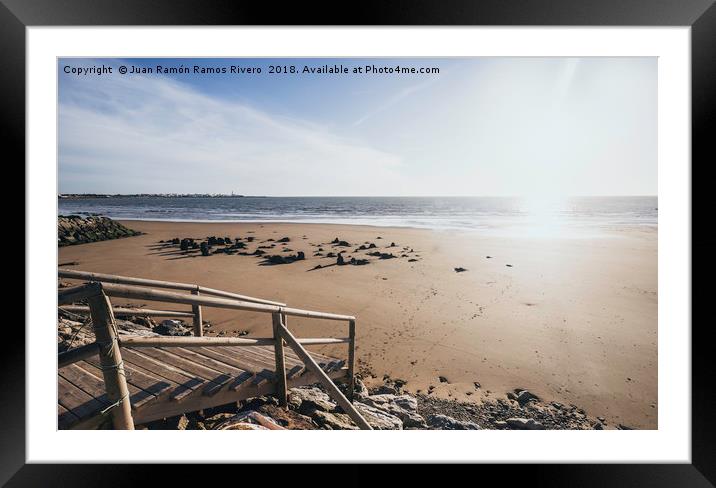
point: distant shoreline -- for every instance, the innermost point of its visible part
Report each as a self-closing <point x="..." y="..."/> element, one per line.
<point x="90" y="196"/>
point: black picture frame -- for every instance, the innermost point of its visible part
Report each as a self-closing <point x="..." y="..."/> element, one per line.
<point x="16" y="15"/>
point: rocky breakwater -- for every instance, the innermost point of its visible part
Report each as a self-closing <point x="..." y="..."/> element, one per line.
<point x="74" y="229"/>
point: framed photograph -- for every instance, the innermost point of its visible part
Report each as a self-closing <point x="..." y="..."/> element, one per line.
<point x="464" y="225"/>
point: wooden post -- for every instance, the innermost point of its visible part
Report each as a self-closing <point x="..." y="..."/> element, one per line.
<point x="280" y="360"/>
<point x="198" y="322"/>
<point x="351" y="358"/>
<point x="323" y="378"/>
<point x="110" y="359"/>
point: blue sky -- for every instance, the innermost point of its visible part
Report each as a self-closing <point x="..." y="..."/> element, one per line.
<point x="482" y="126"/>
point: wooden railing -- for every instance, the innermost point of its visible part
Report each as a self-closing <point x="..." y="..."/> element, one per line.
<point x="108" y="343"/>
<point x="195" y="314"/>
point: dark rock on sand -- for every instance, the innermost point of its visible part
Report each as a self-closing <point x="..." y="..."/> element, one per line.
<point x="172" y="328"/>
<point x="523" y="397"/>
<point x="74" y="229"/>
<point x="278" y="259"/>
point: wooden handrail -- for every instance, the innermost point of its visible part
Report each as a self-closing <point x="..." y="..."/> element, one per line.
<point x="139" y="293"/>
<point x="323" y="378"/>
<point x="70" y="356"/>
<point x="126" y="311"/>
<point x="128" y="280"/>
<point x="190" y="341"/>
<point x="77" y="293"/>
<point x="102" y="313"/>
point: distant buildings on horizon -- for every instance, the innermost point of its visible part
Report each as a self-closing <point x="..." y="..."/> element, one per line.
<point x="156" y="195"/>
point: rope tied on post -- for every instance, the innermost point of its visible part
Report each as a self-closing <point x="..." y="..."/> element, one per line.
<point x="115" y="404"/>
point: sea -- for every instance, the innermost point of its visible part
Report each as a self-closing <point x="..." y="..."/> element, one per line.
<point x="538" y="216"/>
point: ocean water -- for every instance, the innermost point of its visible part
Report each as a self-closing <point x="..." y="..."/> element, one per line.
<point x="575" y="216"/>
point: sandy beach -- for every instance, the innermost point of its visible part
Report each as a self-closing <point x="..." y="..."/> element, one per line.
<point x="572" y="320"/>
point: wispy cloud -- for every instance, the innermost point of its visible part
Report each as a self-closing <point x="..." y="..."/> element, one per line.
<point x="149" y="134"/>
<point x="398" y="97"/>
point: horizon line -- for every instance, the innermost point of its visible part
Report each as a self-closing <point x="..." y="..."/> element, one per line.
<point x="240" y="195"/>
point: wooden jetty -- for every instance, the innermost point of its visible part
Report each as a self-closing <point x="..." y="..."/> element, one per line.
<point x="135" y="379"/>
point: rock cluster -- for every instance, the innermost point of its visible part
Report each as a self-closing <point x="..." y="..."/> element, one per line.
<point x="74" y="229"/>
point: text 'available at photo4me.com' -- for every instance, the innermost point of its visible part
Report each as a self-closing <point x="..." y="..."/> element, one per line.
<point x="257" y="70"/>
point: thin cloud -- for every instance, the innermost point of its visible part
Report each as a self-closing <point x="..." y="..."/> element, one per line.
<point x="401" y="95"/>
<point x="144" y="134"/>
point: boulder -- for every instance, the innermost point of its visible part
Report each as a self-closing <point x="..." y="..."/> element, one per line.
<point x="172" y="328"/>
<point x="402" y="406"/>
<point x="359" y="388"/>
<point x="524" y="397"/>
<point x="377" y="418"/>
<point x="524" y="424"/>
<point x="333" y="421"/>
<point x="405" y="402"/>
<point x="308" y="399"/>
<point x="443" y="422"/>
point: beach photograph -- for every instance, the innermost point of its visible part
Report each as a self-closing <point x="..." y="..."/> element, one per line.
<point x="357" y="243"/>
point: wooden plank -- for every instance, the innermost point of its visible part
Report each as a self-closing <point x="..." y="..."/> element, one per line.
<point x="90" y="384"/>
<point x="137" y="396"/>
<point x="147" y="382"/>
<point x="186" y="383"/>
<point x="206" y="361"/>
<point x="218" y="365"/>
<point x="157" y="410"/>
<point x="217" y="354"/>
<point x="261" y="368"/>
<point x="217" y="384"/>
<point x="167" y="358"/>
<point x="65" y="418"/>
<point x="77" y="401"/>
<point x="241" y="380"/>
<point x="184" y="360"/>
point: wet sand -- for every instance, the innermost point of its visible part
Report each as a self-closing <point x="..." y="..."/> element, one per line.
<point x="574" y="320"/>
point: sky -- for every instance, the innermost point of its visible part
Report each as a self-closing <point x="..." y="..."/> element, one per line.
<point x="533" y="127"/>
